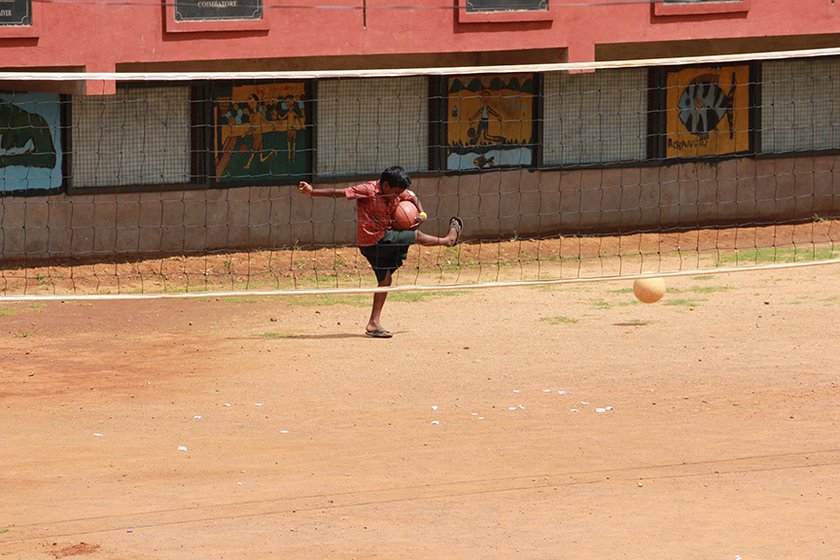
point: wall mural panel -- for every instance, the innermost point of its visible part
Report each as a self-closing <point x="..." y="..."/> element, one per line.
<point x="30" y="142"/>
<point x="261" y="132"/>
<point x="490" y="121"/>
<point x="707" y="111"/>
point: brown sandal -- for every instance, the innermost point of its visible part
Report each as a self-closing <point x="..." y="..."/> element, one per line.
<point x="378" y="333"/>
<point x="458" y="224"/>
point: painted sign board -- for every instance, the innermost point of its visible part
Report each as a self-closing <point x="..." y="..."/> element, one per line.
<point x="216" y="10"/>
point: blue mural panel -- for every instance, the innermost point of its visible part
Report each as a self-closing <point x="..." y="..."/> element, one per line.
<point x="30" y="142"/>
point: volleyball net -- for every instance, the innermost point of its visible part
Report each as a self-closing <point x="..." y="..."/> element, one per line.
<point x="184" y="184"/>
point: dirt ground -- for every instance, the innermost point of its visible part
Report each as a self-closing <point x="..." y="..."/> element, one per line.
<point x="565" y="422"/>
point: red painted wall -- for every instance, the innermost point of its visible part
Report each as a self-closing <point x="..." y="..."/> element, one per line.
<point x="98" y="37"/>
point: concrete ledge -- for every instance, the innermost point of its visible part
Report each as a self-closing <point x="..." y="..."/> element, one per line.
<point x="494" y="205"/>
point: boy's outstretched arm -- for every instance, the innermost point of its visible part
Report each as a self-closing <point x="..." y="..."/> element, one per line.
<point x="307" y="189"/>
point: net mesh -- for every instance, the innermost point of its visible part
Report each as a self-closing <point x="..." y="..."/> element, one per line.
<point x="180" y="185"/>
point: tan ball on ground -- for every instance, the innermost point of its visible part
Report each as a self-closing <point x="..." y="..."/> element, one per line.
<point x="649" y="290"/>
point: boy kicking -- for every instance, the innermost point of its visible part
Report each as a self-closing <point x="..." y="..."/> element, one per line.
<point x="383" y="247"/>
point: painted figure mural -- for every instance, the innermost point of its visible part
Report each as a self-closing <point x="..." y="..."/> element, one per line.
<point x="260" y="132"/>
<point x="490" y="121"/>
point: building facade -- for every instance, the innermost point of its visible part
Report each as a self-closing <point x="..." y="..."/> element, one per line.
<point x="98" y="166"/>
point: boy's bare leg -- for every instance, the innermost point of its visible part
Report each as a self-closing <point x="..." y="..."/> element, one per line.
<point x="374" y="324"/>
<point x="431" y="241"/>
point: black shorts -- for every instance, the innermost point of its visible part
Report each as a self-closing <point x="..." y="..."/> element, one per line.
<point x="389" y="252"/>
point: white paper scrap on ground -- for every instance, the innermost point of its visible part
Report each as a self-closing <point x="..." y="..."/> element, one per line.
<point x="473" y="413"/>
<point x="585" y="403"/>
<point x="258" y="404"/>
<point x="284" y="431"/>
<point x="573" y="410"/>
<point x="196" y="417"/>
<point x="435" y="422"/>
<point x="97" y="434"/>
<point x="599" y="409"/>
<point x="182" y="448"/>
<point x="546" y="390"/>
<point x="434" y="407"/>
<point x="226" y="404"/>
<point x="512" y="408"/>
<point x="561" y="392"/>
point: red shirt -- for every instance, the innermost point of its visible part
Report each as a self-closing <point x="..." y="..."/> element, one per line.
<point x="374" y="210"/>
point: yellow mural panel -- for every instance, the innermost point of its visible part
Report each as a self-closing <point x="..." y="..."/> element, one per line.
<point x="708" y="111"/>
<point x="490" y="121"/>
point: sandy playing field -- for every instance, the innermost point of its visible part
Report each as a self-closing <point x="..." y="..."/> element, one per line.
<point x="566" y="422"/>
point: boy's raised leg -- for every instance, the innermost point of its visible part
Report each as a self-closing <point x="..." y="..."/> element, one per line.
<point x="453" y="237"/>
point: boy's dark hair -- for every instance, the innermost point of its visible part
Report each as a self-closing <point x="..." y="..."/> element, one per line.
<point x="396" y="176"/>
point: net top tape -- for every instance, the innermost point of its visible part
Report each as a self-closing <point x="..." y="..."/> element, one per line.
<point x="428" y="71"/>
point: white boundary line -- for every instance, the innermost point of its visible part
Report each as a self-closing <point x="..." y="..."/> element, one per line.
<point x="448" y="287"/>
<point x="431" y="71"/>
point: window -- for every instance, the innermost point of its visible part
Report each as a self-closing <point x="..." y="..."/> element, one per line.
<point x="595" y="118"/>
<point x="140" y="136"/>
<point x="367" y="124"/>
<point x="800" y="105"/>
